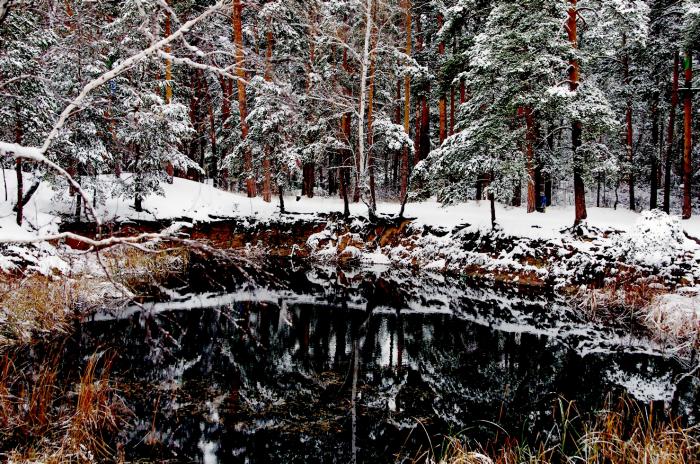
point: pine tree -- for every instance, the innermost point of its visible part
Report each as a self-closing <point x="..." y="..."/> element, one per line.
<point x="515" y="63"/>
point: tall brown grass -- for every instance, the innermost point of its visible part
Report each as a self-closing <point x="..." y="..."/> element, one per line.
<point x="621" y="298"/>
<point x="44" y="419"/>
<point x="624" y="433"/>
<point x="35" y="305"/>
<point x="135" y="268"/>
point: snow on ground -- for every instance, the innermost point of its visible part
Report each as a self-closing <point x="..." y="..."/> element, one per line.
<point x="200" y="202"/>
<point x="648" y="238"/>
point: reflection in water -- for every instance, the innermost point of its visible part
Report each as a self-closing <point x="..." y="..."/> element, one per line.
<point x="359" y="368"/>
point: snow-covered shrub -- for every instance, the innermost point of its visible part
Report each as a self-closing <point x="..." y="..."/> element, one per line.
<point x="656" y="240"/>
<point x="676" y="317"/>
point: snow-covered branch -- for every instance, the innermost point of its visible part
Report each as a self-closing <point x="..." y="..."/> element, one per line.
<point x="37" y="155"/>
<point x="94" y="243"/>
<point x="122" y="67"/>
<point x="202" y="66"/>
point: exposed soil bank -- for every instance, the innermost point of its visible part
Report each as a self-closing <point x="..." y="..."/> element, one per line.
<point x="583" y="256"/>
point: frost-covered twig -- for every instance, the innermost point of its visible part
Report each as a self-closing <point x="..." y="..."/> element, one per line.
<point x="95" y="243"/>
<point x="202" y="66"/>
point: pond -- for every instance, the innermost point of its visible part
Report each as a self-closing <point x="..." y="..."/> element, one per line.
<point x="267" y="374"/>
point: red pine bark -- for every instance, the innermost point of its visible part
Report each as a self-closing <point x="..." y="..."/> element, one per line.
<point x="671" y="133"/>
<point x="576" y="126"/>
<point x="531" y="138"/>
<point x="688" y="136"/>
<point x="237" y="17"/>
<point x="442" y="103"/>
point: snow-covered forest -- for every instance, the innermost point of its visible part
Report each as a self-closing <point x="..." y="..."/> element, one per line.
<point x="380" y="208"/>
<point x="534" y="102"/>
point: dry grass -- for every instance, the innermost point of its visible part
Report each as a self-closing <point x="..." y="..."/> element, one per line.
<point x="621" y="299"/>
<point x="630" y="434"/>
<point x="624" y="434"/>
<point x="135" y="268"/>
<point x="43" y="420"/>
<point x="36" y="304"/>
<point x="669" y="316"/>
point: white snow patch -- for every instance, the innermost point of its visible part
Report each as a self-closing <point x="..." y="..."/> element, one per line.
<point x="655" y="240"/>
<point x="643" y="388"/>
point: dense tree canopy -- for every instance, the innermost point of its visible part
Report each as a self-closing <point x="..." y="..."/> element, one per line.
<point x="506" y="100"/>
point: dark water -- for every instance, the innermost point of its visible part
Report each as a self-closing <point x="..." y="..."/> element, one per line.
<point x="268" y="376"/>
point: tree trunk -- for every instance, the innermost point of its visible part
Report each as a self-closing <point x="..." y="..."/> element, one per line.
<point x="370" y="114"/>
<point x="20" y="188"/>
<point x="363" y="154"/>
<point x="280" y="192"/>
<point x="407" y="106"/>
<point x="226" y="91"/>
<point x="267" y="177"/>
<point x="576" y="126"/>
<point x="688" y="136"/>
<point x="28" y="195"/>
<point x="417" y="133"/>
<point x="168" y="61"/>
<point x="442" y="103"/>
<point x="654" y="194"/>
<point x="346" y="155"/>
<point x="517" y="195"/>
<point x="453" y="95"/>
<point x="530" y="140"/>
<point x="78" y="202"/>
<point x="425" y="126"/>
<point x="237" y="17"/>
<point x="629" y="126"/>
<point x="309" y="170"/>
<point x="671" y="134"/>
<point x="492" y="202"/>
<point x="267" y="165"/>
<point x="213" y="164"/>
<point x="343" y="174"/>
<point x="333" y="159"/>
<point x="308" y="181"/>
<point x="19" y="136"/>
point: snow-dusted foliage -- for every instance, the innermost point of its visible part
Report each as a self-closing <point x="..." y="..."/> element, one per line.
<point x="390" y="137"/>
<point x="656" y="240"/>
<point x="153" y="131"/>
<point x="515" y="66"/>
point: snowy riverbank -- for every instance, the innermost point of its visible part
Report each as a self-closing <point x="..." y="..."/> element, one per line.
<point x="541" y="247"/>
<point x="655" y="242"/>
